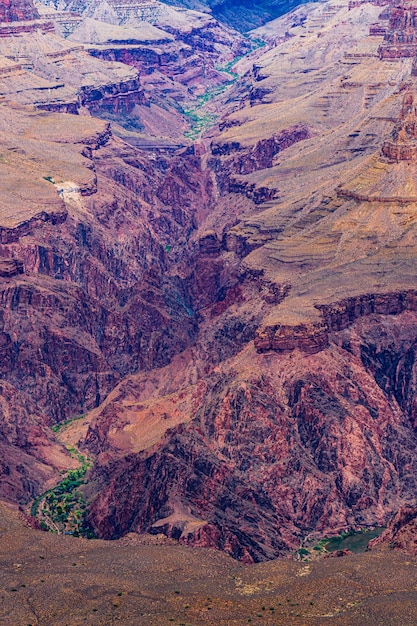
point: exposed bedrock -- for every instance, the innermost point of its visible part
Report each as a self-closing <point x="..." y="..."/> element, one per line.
<point x="97" y="299"/>
<point x="401" y="532"/>
<point x="116" y="98"/>
<point x="104" y="284"/>
<point x="30" y="455"/>
<point x="241" y="15"/>
<point x="295" y="445"/>
<point x="400" y="38"/>
<point x="18" y="10"/>
<point x="313" y="337"/>
<point x="232" y="158"/>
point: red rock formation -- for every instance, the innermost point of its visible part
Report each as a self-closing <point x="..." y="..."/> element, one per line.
<point x="88" y="288"/>
<point x="17" y="11"/>
<point x="400" y="40"/>
<point x="190" y="51"/>
<point x="401" y="532"/>
<point x="10" y="267"/>
<point x="118" y="99"/>
<point x="95" y="278"/>
<point x="357" y="3"/>
<point x="21" y="16"/>
<point x="232" y="158"/>
<point x="377" y="30"/>
<point x="402" y="146"/>
<point x="294" y="444"/>
<point x="311" y="338"/>
<point x="129" y="267"/>
<point x="30" y="455"/>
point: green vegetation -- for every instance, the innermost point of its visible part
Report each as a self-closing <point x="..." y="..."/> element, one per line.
<point x="356" y="542"/>
<point x="57" y="427"/>
<point x="352" y="540"/>
<point x="62" y="509"/>
<point x="200" y="118"/>
<point x="302" y="552"/>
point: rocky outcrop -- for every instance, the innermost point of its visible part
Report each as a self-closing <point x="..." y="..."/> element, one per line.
<point x="12" y="29"/>
<point x="309" y="338"/>
<point x="91" y="272"/>
<point x="76" y="267"/>
<point x="232" y="158"/>
<point x="180" y="57"/>
<point x="120" y="98"/>
<point x="30" y="455"/>
<point x="261" y="155"/>
<point x="400" y="534"/>
<point x="17" y="11"/>
<point x="377" y="30"/>
<point x="127" y="295"/>
<point x="402" y="145"/>
<point x="314" y="337"/>
<point x="295" y="444"/>
<point x="400" y="40"/>
<point x="18" y="17"/>
<point x="243" y="16"/>
<point x="10" y="267"/>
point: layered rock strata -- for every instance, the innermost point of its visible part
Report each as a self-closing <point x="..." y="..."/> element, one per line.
<point x="17" y="11"/>
<point x="88" y="287"/>
<point x="291" y="446"/>
<point x="336" y="316"/>
<point x="403" y="143"/>
<point x="400" y="39"/>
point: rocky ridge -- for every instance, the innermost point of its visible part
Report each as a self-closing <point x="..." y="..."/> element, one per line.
<point x="400" y="533"/>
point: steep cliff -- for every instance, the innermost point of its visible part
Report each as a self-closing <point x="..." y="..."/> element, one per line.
<point x="271" y="448"/>
<point x="88" y="292"/>
<point x="241" y="15"/>
<point x="179" y="60"/>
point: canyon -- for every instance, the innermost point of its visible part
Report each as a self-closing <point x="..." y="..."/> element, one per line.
<point x="207" y="271"/>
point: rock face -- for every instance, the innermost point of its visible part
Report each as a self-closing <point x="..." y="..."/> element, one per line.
<point x="180" y="56"/>
<point x="401" y="532"/>
<point x="94" y="245"/>
<point x="403" y="145"/>
<point x="400" y="40"/>
<point x="314" y="428"/>
<point x="294" y="446"/>
<point x="18" y="10"/>
<point x="31" y="73"/>
<point x="77" y="286"/>
<point x="238" y="159"/>
<point x="337" y="316"/>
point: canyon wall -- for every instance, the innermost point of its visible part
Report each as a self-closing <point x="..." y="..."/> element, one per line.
<point x="234" y="316"/>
